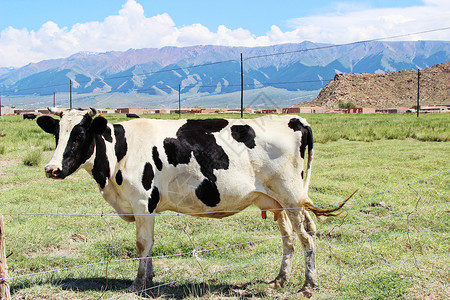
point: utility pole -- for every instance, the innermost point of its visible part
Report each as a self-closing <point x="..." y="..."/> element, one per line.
<point x="70" y="94"/>
<point x="179" y="101"/>
<point x="242" y="89"/>
<point x="418" y="91"/>
<point x="54" y="99"/>
<point x="1" y="117"/>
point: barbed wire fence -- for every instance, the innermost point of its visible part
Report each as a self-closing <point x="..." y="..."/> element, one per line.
<point x="325" y="244"/>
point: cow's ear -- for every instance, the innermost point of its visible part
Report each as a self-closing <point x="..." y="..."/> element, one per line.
<point x="47" y="123"/>
<point x="99" y="125"/>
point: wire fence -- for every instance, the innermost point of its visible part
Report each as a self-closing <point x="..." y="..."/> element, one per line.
<point x="327" y="246"/>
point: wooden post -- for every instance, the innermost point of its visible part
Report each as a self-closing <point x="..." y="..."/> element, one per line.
<point x="4" y="285"/>
<point x="418" y="91"/>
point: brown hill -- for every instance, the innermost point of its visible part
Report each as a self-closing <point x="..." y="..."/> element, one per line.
<point x="396" y="89"/>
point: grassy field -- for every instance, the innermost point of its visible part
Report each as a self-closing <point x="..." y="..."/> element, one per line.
<point x="391" y="241"/>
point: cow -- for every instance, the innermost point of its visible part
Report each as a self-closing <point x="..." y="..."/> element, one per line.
<point x="29" y="116"/>
<point x="132" y="116"/>
<point x="210" y="168"/>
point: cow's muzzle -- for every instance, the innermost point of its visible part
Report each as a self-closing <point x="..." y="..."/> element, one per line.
<point x="53" y="172"/>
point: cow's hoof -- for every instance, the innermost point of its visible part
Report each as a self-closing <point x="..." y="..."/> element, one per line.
<point x="277" y="283"/>
<point x="306" y="292"/>
<point x="140" y="287"/>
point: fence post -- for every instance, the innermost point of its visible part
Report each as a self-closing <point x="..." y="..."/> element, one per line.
<point x="418" y="92"/>
<point x="4" y="285"/>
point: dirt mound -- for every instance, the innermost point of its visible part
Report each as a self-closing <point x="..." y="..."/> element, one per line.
<point x="395" y="89"/>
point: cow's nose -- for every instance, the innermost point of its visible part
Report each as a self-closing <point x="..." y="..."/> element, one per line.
<point x="52" y="171"/>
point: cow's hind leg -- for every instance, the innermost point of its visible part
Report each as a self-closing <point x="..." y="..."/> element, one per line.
<point x="144" y="242"/>
<point x="301" y="221"/>
<point x="289" y="239"/>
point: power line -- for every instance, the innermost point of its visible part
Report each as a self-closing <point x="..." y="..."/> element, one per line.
<point x="348" y="44"/>
<point x="235" y="60"/>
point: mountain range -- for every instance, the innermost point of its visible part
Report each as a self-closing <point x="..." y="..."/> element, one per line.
<point x="293" y="71"/>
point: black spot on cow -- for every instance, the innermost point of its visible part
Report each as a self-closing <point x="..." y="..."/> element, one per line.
<point x="119" y="178"/>
<point x="147" y="176"/>
<point x="307" y="136"/>
<point x="100" y="171"/>
<point x="156" y="159"/>
<point x="196" y="137"/>
<point x="208" y="193"/>
<point x="79" y="147"/>
<point x="244" y="134"/>
<point x="121" y="142"/>
<point x="107" y="134"/>
<point x="153" y="200"/>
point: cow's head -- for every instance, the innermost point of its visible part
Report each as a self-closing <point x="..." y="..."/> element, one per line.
<point x="75" y="139"/>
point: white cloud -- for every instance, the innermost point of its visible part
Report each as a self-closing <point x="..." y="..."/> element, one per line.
<point x="130" y="28"/>
<point x="369" y="23"/>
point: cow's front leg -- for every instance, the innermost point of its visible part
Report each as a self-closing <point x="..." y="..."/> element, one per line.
<point x="145" y="225"/>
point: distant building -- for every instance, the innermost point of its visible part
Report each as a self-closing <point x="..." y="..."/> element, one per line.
<point x="137" y="111"/>
<point x="303" y="110"/>
<point x="359" y="110"/>
<point x="24" y="111"/>
<point x="106" y="111"/>
<point x="271" y="111"/>
<point x="143" y="111"/>
<point x="7" y="111"/>
<point x="43" y="112"/>
<point x="434" y="109"/>
<point x="399" y="110"/>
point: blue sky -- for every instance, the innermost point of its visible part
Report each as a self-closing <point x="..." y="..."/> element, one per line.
<point x="254" y="15"/>
<point x="33" y="30"/>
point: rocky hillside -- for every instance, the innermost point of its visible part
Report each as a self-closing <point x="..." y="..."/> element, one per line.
<point x="395" y="89"/>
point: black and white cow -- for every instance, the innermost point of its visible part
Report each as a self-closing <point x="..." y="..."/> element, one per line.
<point x="213" y="167"/>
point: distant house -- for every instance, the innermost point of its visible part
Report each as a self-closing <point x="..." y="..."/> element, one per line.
<point x="303" y="110"/>
<point x="24" y="111"/>
<point x="359" y="110"/>
<point x="43" y="111"/>
<point x="106" y="111"/>
<point x="271" y="111"/>
<point x="162" y="111"/>
<point x="434" y="109"/>
<point x="137" y="111"/>
<point x="399" y="110"/>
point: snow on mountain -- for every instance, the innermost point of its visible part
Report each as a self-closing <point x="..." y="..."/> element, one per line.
<point x="215" y="70"/>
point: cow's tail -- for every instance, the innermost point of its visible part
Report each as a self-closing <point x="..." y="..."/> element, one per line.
<point x="310" y="142"/>
<point x="325" y="212"/>
<point x="308" y="204"/>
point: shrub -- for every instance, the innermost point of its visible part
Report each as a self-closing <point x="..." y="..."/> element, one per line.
<point x="33" y="157"/>
<point x="346" y="105"/>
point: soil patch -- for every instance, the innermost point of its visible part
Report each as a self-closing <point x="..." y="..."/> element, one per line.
<point x="6" y="164"/>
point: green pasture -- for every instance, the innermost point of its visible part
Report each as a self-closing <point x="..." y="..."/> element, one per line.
<point x="391" y="241"/>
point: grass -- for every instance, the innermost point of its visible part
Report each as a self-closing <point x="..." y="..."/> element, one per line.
<point x="386" y="245"/>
